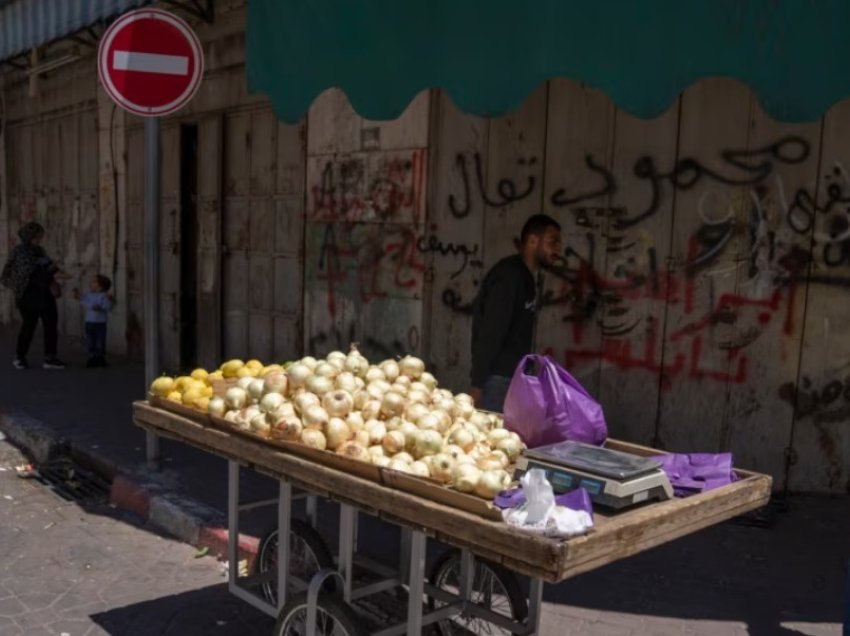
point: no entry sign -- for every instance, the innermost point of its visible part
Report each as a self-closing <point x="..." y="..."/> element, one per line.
<point x="150" y="62"/>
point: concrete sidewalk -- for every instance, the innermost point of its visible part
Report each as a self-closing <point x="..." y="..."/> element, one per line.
<point x="729" y="579"/>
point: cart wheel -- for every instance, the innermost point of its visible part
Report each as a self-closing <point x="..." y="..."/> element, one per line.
<point x="493" y="587"/>
<point x="333" y="617"/>
<point x="307" y="555"/>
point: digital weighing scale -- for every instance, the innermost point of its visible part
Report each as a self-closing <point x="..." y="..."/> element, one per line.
<point x="612" y="478"/>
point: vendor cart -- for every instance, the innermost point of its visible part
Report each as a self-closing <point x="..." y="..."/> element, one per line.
<point x="316" y="595"/>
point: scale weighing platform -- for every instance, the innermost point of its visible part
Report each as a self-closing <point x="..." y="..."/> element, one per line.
<point x="612" y="478"/>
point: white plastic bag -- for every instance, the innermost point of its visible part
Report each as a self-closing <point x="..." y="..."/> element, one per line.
<point x="541" y="515"/>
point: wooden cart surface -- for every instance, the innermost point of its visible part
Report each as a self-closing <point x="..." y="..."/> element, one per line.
<point x="615" y="536"/>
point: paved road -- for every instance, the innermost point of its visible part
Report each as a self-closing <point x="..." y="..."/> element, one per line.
<point x="66" y="570"/>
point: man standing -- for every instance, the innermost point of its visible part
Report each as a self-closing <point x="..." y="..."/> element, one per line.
<point x="504" y="311"/>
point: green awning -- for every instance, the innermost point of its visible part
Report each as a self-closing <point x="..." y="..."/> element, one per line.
<point x="489" y="54"/>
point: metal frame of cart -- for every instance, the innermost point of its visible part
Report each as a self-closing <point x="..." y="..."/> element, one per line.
<point x="411" y="572"/>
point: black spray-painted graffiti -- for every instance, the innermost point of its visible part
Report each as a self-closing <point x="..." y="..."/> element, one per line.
<point x="432" y="244"/>
<point x="829" y="404"/>
<point x="754" y="166"/>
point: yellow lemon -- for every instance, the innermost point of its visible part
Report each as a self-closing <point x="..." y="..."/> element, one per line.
<point x="175" y="396"/>
<point x="182" y="382"/>
<point x="207" y="391"/>
<point x="231" y="368"/>
<point x="162" y="386"/>
<point x="270" y="368"/>
<point x="216" y="375"/>
<point x="202" y="403"/>
<point x="254" y="364"/>
<point x="190" y="396"/>
<point x="200" y="374"/>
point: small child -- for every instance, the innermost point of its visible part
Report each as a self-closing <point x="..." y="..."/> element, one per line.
<point x="98" y="302"/>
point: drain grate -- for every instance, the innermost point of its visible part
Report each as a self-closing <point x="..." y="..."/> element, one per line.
<point x="70" y="482"/>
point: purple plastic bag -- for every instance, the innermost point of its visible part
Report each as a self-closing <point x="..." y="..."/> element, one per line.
<point x="694" y="473"/>
<point x="577" y="499"/>
<point x="549" y="405"/>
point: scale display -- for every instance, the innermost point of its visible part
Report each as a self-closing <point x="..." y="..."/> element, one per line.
<point x="600" y="461"/>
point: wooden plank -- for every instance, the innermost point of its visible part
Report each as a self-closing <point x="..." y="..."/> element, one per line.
<point x="291" y="155"/>
<point x="772" y="278"/>
<point x="698" y="358"/>
<point x="579" y="149"/>
<point x="626" y="534"/>
<point x="636" y="286"/>
<point x="821" y="435"/>
<point x="454" y="241"/>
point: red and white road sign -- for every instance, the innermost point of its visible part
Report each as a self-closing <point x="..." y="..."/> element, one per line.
<point x="150" y="62"/>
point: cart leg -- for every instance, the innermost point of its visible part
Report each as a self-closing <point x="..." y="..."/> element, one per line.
<point x="312" y="513"/>
<point x="535" y="599"/>
<point x="347" y="523"/>
<point x="416" y="583"/>
<point x="232" y="521"/>
<point x="284" y="522"/>
<point x="467" y="569"/>
<point x="404" y="551"/>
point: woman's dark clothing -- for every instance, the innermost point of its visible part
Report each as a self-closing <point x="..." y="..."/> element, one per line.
<point x="37" y="303"/>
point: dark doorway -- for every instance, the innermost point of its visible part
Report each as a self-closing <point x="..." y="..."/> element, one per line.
<point x="188" y="246"/>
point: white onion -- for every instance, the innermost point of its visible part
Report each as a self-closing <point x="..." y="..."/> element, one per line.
<point x="444" y="394"/>
<point x="410" y="432"/>
<point x="464" y="397"/>
<point x="374" y="373"/>
<point x="355" y="362"/>
<point x="355" y="421"/>
<point x="250" y="412"/>
<point x="260" y="425"/>
<point x="305" y="400"/>
<point x="427" y="443"/>
<point x="466" y="477"/>
<point x="346" y="381"/>
<point x="231" y="416"/>
<point x="353" y="450"/>
<point x="461" y="409"/>
<point x="275" y="382"/>
<point x="310" y="362"/>
<point x="497" y="435"/>
<point x="337" y="433"/>
<point x="481" y="421"/>
<point x="415" y="396"/>
<point x="359" y="382"/>
<point x="287" y="428"/>
<point x="411" y="367"/>
<point x="271" y="402"/>
<point x="315" y="417"/>
<point x="320" y="384"/>
<point x="391" y="370"/>
<point x="502" y="457"/>
<point x="445" y="421"/>
<point x="491" y="482"/>
<point x="255" y="389"/>
<point x="414" y="411"/>
<point x="362" y="438"/>
<point x="418" y="386"/>
<point x="401" y="389"/>
<point x="511" y="446"/>
<point x="405" y="457"/>
<point x="420" y="469"/>
<point x="400" y="466"/>
<point x="326" y="370"/>
<point x="393" y="442"/>
<point x="490" y="462"/>
<point x="428" y="422"/>
<point x="444" y="404"/>
<point x="381" y="461"/>
<point x="217" y="406"/>
<point x="338" y="403"/>
<point x="236" y="398"/>
<point x="442" y="467"/>
<point x="376" y="431"/>
<point x="454" y="451"/>
<point x="465" y="459"/>
<point x="361" y="396"/>
<point x="334" y="355"/>
<point x="377" y="388"/>
<point x="404" y="381"/>
<point x="376" y="450"/>
<point x="392" y="404"/>
<point x="462" y="438"/>
<point x="428" y="380"/>
<point x="314" y="438"/>
<point x="371" y="410"/>
<point x="478" y="451"/>
<point x="394" y="423"/>
<point x="298" y="374"/>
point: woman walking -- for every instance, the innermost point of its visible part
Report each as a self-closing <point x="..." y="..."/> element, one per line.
<point x="32" y="275"/>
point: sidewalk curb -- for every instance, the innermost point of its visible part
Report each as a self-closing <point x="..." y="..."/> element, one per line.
<point x="136" y="490"/>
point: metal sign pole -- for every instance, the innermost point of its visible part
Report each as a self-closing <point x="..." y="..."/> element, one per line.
<point x="152" y="151"/>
